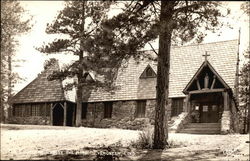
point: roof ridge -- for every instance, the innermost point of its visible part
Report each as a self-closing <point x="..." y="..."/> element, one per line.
<point x="215" y="42"/>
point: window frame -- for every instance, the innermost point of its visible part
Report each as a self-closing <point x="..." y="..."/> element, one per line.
<point x="84" y="111"/>
<point x="140" y="111"/>
<point x="108" y="109"/>
<point x="175" y="106"/>
<point x="145" y="73"/>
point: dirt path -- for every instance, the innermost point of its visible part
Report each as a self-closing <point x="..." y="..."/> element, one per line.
<point x="48" y="142"/>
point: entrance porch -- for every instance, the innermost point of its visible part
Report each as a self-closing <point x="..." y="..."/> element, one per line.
<point x="206" y="107"/>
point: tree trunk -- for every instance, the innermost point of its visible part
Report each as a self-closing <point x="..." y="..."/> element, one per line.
<point x="79" y="93"/>
<point x="1" y="87"/>
<point x="160" y="137"/>
<point x="80" y="74"/>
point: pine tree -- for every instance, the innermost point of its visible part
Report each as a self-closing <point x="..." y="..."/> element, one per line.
<point x="244" y="91"/>
<point x="11" y="26"/>
<point x="78" y="23"/>
<point x="172" y="22"/>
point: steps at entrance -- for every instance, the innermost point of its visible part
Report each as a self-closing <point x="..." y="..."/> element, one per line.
<point x="201" y="128"/>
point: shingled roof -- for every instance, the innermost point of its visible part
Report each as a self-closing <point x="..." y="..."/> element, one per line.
<point x="184" y="63"/>
<point x="43" y="90"/>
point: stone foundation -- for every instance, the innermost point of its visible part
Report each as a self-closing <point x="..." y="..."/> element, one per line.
<point x="32" y="120"/>
<point x="123" y="115"/>
<point x="225" y="122"/>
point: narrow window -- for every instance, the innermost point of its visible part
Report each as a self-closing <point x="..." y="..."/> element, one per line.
<point x="47" y="109"/>
<point x="33" y="110"/>
<point x="108" y="107"/>
<point x="84" y="110"/>
<point x="18" y="111"/>
<point x="38" y="109"/>
<point x="140" y="109"/>
<point x="177" y="106"/>
<point x="14" y="111"/>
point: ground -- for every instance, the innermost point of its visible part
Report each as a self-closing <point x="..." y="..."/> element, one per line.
<point x="50" y="142"/>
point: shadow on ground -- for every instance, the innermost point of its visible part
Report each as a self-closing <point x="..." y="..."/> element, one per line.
<point x="176" y="155"/>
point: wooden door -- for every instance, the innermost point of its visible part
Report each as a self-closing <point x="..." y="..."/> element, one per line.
<point x="209" y="113"/>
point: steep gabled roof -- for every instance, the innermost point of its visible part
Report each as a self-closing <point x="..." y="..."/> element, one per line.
<point x="43" y="90"/>
<point x="186" y="60"/>
<point x="184" y="63"/>
<point x="203" y="66"/>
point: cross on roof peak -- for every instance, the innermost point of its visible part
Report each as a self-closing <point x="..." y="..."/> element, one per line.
<point x="206" y="55"/>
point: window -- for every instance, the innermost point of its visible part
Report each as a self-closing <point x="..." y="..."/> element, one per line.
<point x="108" y="107"/>
<point x="47" y="109"/>
<point x="16" y="111"/>
<point x="35" y="109"/>
<point x="177" y="106"/>
<point x="205" y="108"/>
<point x="148" y="73"/>
<point x="88" y="77"/>
<point x="214" y="108"/>
<point x="84" y="110"/>
<point x="140" y="109"/>
<point x="27" y="110"/>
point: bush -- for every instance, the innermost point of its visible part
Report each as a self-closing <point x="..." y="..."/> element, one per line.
<point x="145" y="140"/>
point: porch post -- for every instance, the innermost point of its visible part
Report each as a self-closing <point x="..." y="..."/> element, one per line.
<point x="51" y="113"/>
<point x="226" y="116"/>
<point x="226" y="101"/>
<point x="65" y="113"/>
<point x="187" y="104"/>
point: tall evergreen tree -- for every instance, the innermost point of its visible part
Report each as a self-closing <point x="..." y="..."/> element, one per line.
<point x="244" y="85"/>
<point x="77" y="24"/>
<point x="244" y="91"/>
<point x="140" y="22"/>
<point x="12" y="25"/>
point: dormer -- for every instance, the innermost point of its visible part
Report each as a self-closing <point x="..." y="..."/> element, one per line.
<point x="148" y="72"/>
<point x="88" y="76"/>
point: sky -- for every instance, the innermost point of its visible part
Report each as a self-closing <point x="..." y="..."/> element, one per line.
<point x="44" y="12"/>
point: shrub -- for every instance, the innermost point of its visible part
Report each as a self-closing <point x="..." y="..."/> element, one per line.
<point x="145" y="140"/>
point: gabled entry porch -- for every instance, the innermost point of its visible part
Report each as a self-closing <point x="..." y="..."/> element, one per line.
<point x="208" y="99"/>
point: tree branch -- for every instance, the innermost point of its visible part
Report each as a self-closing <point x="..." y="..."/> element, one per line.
<point x="185" y="8"/>
<point x="152" y="48"/>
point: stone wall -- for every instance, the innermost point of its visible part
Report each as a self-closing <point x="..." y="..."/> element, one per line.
<point x="225" y="122"/>
<point x="235" y="122"/>
<point x="32" y="120"/>
<point x="123" y="115"/>
<point x="230" y="120"/>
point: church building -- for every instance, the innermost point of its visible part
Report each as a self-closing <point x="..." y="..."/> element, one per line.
<point x="202" y="94"/>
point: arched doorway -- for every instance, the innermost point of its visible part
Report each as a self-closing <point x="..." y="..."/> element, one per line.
<point x="58" y="114"/>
